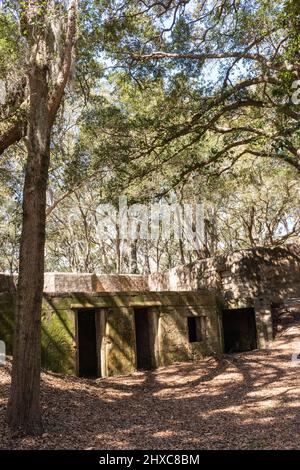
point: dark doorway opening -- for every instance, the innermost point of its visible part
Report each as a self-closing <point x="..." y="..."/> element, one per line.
<point x="87" y="343"/>
<point x="145" y="339"/>
<point x="196" y="329"/>
<point x="239" y="328"/>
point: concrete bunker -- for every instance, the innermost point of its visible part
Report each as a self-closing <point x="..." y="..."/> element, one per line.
<point x="120" y="332"/>
<point x="239" y="330"/>
<point x="93" y="324"/>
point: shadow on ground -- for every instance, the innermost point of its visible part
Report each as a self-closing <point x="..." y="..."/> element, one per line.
<point x="240" y="401"/>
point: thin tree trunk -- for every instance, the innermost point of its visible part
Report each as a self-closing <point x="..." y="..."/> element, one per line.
<point x="24" y="412"/>
<point x="181" y="250"/>
<point x="133" y="257"/>
<point x="118" y="251"/>
<point x="147" y="257"/>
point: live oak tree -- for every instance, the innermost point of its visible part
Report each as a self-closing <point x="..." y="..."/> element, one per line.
<point x="40" y="91"/>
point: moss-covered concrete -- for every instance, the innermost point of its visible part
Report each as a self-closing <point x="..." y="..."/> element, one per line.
<point x="58" y="340"/>
<point x="7" y="320"/>
<point x="120" y="341"/>
<point x="116" y="341"/>
<point x="58" y="334"/>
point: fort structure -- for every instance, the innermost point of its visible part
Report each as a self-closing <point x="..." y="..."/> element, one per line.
<point x="101" y="325"/>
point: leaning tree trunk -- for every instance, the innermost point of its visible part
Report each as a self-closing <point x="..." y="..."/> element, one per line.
<point x="24" y="411"/>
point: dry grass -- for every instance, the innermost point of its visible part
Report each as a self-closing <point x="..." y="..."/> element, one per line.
<point x="242" y="401"/>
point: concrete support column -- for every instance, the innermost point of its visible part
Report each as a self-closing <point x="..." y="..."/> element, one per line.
<point x="264" y="324"/>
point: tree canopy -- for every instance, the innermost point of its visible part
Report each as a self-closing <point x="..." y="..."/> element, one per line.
<point x="170" y="99"/>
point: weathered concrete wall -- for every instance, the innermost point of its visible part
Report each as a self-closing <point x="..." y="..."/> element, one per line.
<point x="285" y="314"/>
<point x="201" y="274"/>
<point x="117" y="347"/>
<point x="256" y="278"/>
<point x="240" y="277"/>
<point x="264" y="322"/>
<point x="58" y="336"/>
<point x="57" y="340"/>
<point x="7" y="319"/>
<point x="246" y="274"/>
<point x="72" y="282"/>
<point x="7" y="296"/>
<point x="7" y="283"/>
<point x="119" y="339"/>
<point x="173" y="333"/>
<point x="83" y="282"/>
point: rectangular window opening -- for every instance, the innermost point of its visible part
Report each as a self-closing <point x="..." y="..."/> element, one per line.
<point x="196" y="329"/>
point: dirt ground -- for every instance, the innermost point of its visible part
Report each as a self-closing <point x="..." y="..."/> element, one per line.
<point x="240" y="401"/>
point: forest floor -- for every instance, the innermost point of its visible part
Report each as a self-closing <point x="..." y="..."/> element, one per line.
<point x="239" y="401"/>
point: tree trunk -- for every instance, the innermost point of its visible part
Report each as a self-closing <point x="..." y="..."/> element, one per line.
<point x="118" y="251"/>
<point x="133" y="257"/>
<point x="24" y="412"/>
